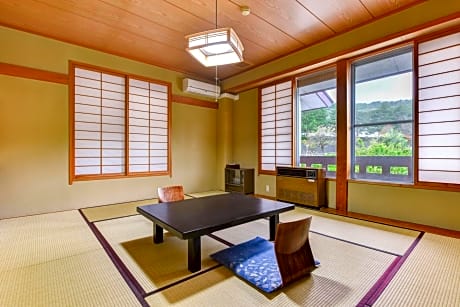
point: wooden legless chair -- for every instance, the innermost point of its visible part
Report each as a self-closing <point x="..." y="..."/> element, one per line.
<point x="293" y="251"/>
<point x="171" y="193"/>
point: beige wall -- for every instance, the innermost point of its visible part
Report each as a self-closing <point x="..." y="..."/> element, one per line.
<point x="34" y="139"/>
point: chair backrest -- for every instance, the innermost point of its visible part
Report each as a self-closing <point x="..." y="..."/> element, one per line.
<point x="171" y="193"/>
<point x="293" y="251"/>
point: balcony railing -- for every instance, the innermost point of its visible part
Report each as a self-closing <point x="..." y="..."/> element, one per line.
<point x="385" y="168"/>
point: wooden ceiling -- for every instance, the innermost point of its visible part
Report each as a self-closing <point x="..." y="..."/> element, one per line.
<point x="152" y="31"/>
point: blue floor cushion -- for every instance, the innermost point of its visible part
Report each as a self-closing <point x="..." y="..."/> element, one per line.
<point x="254" y="261"/>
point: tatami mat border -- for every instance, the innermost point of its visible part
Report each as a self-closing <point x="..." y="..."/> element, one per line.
<point x="374" y="293"/>
<point x="121" y="267"/>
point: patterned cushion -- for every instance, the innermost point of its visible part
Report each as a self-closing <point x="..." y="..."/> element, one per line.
<point x="254" y="261"/>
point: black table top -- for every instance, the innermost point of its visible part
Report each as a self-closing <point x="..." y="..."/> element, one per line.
<point x="199" y="216"/>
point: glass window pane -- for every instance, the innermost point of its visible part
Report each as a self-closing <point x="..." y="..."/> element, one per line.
<point x="317" y="121"/>
<point x="382" y="117"/>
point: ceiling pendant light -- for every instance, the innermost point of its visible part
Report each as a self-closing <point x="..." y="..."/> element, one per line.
<point x="215" y="47"/>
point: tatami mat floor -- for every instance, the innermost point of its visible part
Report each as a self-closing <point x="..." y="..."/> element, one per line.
<point x="56" y="260"/>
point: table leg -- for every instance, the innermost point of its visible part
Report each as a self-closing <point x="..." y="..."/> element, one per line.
<point x="194" y="254"/>
<point x="157" y="233"/>
<point x="274" y="220"/>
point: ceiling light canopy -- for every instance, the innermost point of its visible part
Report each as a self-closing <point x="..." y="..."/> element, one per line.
<point x="215" y="47"/>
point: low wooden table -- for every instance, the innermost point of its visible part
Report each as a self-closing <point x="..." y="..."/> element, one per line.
<point x="192" y="218"/>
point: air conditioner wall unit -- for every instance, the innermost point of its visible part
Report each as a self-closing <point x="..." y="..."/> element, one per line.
<point x="201" y="88"/>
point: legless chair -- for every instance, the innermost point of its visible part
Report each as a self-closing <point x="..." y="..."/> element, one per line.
<point x="293" y="251"/>
<point x="171" y="193"/>
<point x="270" y="266"/>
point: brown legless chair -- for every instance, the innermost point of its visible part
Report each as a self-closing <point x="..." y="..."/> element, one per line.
<point x="293" y="251"/>
<point x="171" y="193"/>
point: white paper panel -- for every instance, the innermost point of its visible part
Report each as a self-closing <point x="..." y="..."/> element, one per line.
<point x="446" y="177"/>
<point x="439" y="104"/>
<point x="91" y="153"/>
<point x="268" y="118"/>
<point x="113" y="169"/>
<point x="96" y="101"/>
<point x="87" y="144"/>
<point x="87" y="74"/>
<point x="138" y="99"/>
<point x="158" y="153"/>
<point x="440" y="140"/>
<point x="138" y="114"/>
<point x="439" y="43"/>
<point x="158" y="88"/>
<point x="113" y="161"/>
<point x="439" y="55"/>
<point x="159" y="95"/>
<point x="112" y="144"/>
<point x="87" y="161"/>
<point x="159" y="117"/>
<point x="437" y="68"/>
<point x="284" y="130"/>
<point x="87" y="170"/>
<point x="283" y="94"/>
<point x="445" y="78"/>
<point x="138" y="91"/>
<point x="284" y="115"/>
<point x="284" y="108"/>
<point x="81" y="108"/>
<point x="284" y="100"/>
<point x="268" y="159"/>
<point x="113" y="79"/>
<point x="159" y="146"/>
<point x="268" y="97"/>
<point x="439" y="116"/>
<point x="138" y="137"/>
<point x="87" y="135"/>
<point x="439" y="128"/>
<point x="283" y="138"/>
<point x="113" y="103"/>
<point x="439" y="152"/>
<point x="159" y="132"/>
<point x="440" y="91"/>
<point x="268" y="104"/>
<point x="113" y="136"/>
<point x="158" y="160"/>
<point x="158" y="109"/>
<point x="139" y="160"/>
<point x="268" y="167"/>
<point x="113" y="152"/>
<point x="440" y="164"/>
<point x="159" y="168"/>
<point x="138" y="83"/>
<point x="283" y="86"/>
<point x="159" y="102"/>
<point x="113" y="95"/>
<point x="113" y="120"/>
<point x="268" y="139"/>
<point x="138" y="153"/>
<point x="266" y="132"/>
<point x="113" y="128"/>
<point x="83" y="82"/>
<point x="268" y="89"/>
<point x="138" y="168"/>
<point x="283" y="161"/>
<point x="119" y="88"/>
<point x="138" y="145"/>
<point x="114" y="112"/>
<point x="86" y="91"/>
<point x="138" y="122"/>
<point x="138" y="106"/>
<point x="268" y="146"/>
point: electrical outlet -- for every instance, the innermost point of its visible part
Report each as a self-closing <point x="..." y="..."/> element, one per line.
<point x="267" y="188"/>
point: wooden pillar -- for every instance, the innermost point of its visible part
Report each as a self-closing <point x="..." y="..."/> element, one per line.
<point x="343" y="136"/>
<point x="224" y="138"/>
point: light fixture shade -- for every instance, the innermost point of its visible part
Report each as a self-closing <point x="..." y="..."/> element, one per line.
<point x="215" y="47"/>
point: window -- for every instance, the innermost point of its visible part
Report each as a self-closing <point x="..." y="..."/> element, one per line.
<point x="382" y="117"/>
<point x="275" y="118"/>
<point x="317" y="121"/>
<point x="119" y="126"/>
<point x="439" y="110"/>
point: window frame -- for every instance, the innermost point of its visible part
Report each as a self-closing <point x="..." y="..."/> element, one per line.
<point x="127" y="173"/>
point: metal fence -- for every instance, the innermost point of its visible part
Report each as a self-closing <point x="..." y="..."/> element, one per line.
<point x="387" y="168"/>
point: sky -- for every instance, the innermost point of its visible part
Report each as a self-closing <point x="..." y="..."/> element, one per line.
<point x="397" y="87"/>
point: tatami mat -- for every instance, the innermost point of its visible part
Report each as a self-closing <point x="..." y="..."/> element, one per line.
<point x="389" y="239"/>
<point x="42" y="238"/>
<point x="429" y="277"/>
<point x="342" y="280"/>
<point x="207" y="193"/>
<point x="55" y="260"/>
<point x="153" y="265"/>
<point x="383" y="237"/>
<point x="116" y="210"/>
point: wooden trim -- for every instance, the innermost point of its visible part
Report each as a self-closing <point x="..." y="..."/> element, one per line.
<point x="448" y="187"/>
<point x="387" y="41"/>
<point x="33" y="73"/>
<point x="71" y="102"/>
<point x="397" y="223"/>
<point x="343" y="135"/>
<point x="194" y="102"/>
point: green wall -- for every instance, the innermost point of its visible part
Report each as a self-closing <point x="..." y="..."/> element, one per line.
<point x="34" y="130"/>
